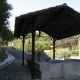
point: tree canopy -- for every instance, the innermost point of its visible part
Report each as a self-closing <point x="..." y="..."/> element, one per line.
<point x="5" y="14"/>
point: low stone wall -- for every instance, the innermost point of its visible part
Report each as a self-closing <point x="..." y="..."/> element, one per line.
<point x="69" y="69"/>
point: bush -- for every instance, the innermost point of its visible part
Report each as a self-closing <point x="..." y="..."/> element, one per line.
<point x="63" y="53"/>
<point x="50" y="53"/>
<point x="39" y="46"/>
<point x="75" y="50"/>
<point x="3" y="55"/>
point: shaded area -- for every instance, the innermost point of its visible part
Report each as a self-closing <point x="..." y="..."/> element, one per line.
<point x="15" y="71"/>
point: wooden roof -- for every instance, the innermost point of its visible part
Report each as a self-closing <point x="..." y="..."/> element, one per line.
<point x="59" y="22"/>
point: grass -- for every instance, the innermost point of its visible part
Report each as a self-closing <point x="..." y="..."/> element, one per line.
<point x="3" y="54"/>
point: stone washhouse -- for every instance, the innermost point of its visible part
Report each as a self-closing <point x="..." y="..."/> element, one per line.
<point x="59" y="22"/>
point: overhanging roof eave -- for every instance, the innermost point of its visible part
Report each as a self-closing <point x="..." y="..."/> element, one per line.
<point x="40" y="13"/>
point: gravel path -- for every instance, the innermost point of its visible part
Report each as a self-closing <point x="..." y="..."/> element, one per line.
<point x="15" y="71"/>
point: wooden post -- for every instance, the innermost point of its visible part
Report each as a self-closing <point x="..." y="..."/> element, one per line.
<point x="33" y="49"/>
<point x="23" y="52"/>
<point x="54" y="48"/>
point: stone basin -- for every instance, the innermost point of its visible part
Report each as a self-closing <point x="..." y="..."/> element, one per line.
<point x="57" y="69"/>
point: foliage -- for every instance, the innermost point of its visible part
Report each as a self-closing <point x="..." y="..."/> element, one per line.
<point x="7" y="35"/>
<point x="19" y="47"/>
<point x="3" y="55"/>
<point x="41" y="43"/>
<point x="4" y="12"/>
<point x="50" y="53"/>
<point x="44" y="41"/>
<point x="67" y="42"/>
<point x="39" y="46"/>
<point x="75" y="50"/>
<point x="63" y="53"/>
<point x="17" y="42"/>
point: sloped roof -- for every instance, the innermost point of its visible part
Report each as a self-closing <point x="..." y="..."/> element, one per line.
<point x="59" y="22"/>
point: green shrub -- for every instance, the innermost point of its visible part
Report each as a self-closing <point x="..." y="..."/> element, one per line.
<point x="39" y="46"/>
<point x="75" y="50"/>
<point x="19" y="46"/>
<point x="3" y="55"/>
<point x="63" y="53"/>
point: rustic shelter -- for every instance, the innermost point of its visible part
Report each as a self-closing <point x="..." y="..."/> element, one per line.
<point x="59" y="22"/>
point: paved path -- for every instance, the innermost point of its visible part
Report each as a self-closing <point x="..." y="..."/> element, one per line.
<point x="15" y="71"/>
<point x="17" y="54"/>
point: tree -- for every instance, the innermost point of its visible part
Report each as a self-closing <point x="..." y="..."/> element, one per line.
<point x="7" y="35"/>
<point x="4" y="12"/>
<point x="67" y="42"/>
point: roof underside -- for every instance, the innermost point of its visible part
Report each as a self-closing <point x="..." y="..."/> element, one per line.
<point x="59" y="22"/>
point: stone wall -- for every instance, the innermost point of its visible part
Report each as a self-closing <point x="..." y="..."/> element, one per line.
<point x="67" y="70"/>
